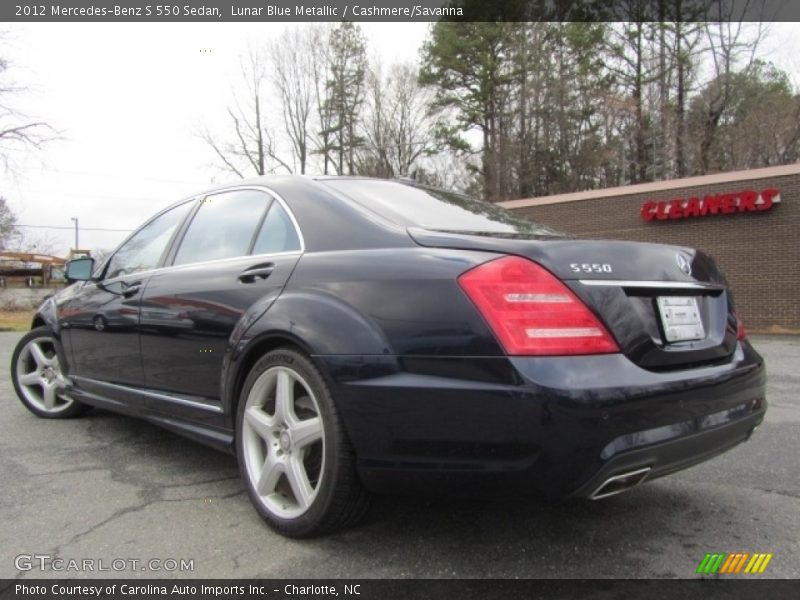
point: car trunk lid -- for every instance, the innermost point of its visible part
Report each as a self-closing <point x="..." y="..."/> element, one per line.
<point x="668" y="307"/>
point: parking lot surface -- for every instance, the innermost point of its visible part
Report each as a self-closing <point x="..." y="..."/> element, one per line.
<point x="106" y="487"/>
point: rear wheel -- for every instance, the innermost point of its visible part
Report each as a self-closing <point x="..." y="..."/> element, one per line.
<point x="38" y="379"/>
<point x="294" y="456"/>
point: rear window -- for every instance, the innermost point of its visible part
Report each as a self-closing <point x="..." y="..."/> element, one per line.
<point x="431" y="208"/>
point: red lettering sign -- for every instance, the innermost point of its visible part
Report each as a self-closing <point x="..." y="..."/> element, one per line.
<point x="746" y="201"/>
<point x="769" y="196"/>
<point x="692" y="208"/>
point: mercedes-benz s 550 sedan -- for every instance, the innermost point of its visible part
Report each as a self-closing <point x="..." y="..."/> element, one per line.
<point x="344" y="336"/>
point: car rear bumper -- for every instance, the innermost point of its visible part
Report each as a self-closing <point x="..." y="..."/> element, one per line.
<point x="656" y="459"/>
<point x="560" y="426"/>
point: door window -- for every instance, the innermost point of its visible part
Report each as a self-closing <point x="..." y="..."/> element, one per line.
<point x="144" y="250"/>
<point x="223" y="226"/>
<point x="277" y="233"/>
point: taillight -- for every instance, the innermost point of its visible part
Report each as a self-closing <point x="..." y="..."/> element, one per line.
<point x="740" y="331"/>
<point x="532" y="312"/>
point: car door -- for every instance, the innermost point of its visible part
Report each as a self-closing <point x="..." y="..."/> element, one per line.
<point x="101" y="320"/>
<point x="238" y="250"/>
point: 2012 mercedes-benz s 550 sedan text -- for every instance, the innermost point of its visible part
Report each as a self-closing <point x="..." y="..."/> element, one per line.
<point x="344" y="336"/>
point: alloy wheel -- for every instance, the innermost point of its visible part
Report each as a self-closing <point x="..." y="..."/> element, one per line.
<point x="39" y="376"/>
<point x="283" y="442"/>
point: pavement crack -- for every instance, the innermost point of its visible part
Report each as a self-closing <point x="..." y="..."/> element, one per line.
<point x="205" y="497"/>
<point x="57" y="550"/>
<point x="784" y="493"/>
<point x="67" y="471"/>
<point x="204" y="482"/>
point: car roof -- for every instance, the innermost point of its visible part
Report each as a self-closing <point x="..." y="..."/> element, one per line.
<point x="287" y="179"/>
<point x="328" y="219"/>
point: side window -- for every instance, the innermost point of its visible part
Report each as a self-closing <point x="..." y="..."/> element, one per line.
<point x="144" y="250"/>
<point x="223" y="226"/>
<point x="277" y="233"/>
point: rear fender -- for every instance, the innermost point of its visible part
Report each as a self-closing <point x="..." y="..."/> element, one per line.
<point x="317" y="322"/>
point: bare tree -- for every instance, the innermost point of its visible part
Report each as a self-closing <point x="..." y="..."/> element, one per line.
<point x="36" y="243"/>
<point x="449" y="170"/>
<point x="731" y="42"/>
<point x="18" y="130"/>
<point x="686" y="38"/>
<point x="374" y="157"/>
<point x="398" y="127"/>
<point x="322" y="135"/>
<point x="347" y="67"/>
<point x="636" y="70"/>
<point x="294" y="72"/>
<point x="251" y="146"/>
<point x="760" y="125"/>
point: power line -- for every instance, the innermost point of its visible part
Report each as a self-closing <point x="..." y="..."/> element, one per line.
<point x="71" y="228"/>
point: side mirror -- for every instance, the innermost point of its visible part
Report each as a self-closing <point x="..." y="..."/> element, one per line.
<point x="80" y="269"/>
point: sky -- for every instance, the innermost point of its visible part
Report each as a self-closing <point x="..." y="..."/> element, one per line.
<point x="128" y="100"/>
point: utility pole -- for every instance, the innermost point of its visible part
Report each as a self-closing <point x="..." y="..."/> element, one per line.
<point x="76" y="231"/>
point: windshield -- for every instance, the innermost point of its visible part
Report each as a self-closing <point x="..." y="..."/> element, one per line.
<point x="431" y="208"/>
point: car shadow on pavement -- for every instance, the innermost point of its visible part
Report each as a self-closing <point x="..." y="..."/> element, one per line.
<point x="498" y="535"/>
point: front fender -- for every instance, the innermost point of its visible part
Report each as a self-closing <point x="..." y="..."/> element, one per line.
<point x="47" y="313"/>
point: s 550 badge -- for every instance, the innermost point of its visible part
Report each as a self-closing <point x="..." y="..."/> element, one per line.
<point x="590" y="268"/>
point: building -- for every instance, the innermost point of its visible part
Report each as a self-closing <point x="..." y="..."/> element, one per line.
<point x="749" y="221"/>
<point x="22" y="269"/>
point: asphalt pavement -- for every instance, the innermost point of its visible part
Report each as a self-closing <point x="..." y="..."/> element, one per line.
<point x="107" y="488"/>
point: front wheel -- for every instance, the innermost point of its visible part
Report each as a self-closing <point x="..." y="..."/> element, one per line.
<point x="38" y="379"/>
<point x="294" y="455"/>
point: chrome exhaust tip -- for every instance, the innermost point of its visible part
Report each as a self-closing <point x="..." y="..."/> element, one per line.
<point x="619" y="483"/>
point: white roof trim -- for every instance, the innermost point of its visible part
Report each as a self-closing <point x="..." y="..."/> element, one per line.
<point x="657" y="186"/>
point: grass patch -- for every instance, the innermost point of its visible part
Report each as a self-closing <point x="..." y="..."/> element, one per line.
<point x="16" y="320"/>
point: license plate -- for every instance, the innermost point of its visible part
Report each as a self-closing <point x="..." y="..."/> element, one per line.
<point x="680" y="316"/>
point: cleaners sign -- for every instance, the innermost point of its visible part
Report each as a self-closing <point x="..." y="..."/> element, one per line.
<point x="747" y="201"/>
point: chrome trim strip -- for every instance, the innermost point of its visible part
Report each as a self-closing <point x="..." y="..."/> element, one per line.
<point x="169" y="268"/>
<point x="166" y="268"/>
<point x="155" y="395"/>
<point x="81" y="393"/>
<point x="231" y="259"/>
<point x="650" y="284"/>
<point x="192" y="429"/>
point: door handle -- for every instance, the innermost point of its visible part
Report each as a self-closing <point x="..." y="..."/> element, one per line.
<point x="131" y="290"/>
<point x="260" y="271"/>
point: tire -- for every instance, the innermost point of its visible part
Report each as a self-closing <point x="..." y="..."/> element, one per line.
<point x="294" y="456"/>
<point x="38" y="380"/>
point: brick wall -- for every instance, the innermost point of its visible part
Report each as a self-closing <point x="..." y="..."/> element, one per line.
<point x="758" y="252"/>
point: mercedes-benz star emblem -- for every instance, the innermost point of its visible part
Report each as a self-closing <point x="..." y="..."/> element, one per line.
<point x="683" y="264"/>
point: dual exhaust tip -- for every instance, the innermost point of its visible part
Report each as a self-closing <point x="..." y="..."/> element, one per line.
<point x="620" y="483"/>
